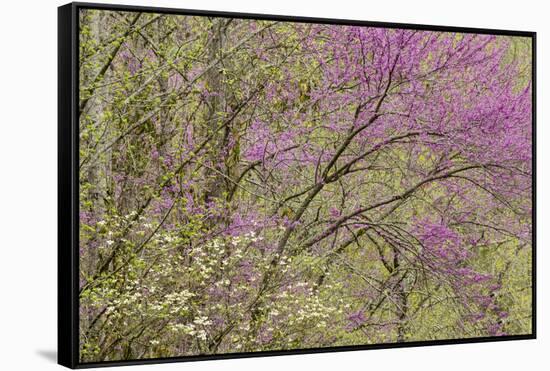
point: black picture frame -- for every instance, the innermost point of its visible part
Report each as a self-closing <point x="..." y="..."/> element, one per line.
<point x="68" y="186"/>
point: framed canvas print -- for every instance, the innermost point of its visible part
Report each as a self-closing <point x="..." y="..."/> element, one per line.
<point x="236" y="185"/>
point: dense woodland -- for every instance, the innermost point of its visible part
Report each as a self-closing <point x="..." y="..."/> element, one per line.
<point x="251" y="185"/>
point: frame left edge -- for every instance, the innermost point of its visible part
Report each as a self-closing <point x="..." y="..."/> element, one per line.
<point x="67" y="208"/>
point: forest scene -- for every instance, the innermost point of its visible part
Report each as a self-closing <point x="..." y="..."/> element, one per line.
<point x="257" y="185"/>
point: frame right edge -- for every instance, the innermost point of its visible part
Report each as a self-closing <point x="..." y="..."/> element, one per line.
<point x="534" y="185"/>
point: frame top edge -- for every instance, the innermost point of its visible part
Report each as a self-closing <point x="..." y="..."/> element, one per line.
<point x="300" y="19"/>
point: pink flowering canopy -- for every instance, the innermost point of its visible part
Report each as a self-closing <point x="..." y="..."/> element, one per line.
<point x="252" y="185"/>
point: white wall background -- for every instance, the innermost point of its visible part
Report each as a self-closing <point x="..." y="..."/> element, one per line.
<point x="28" y="155"/>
